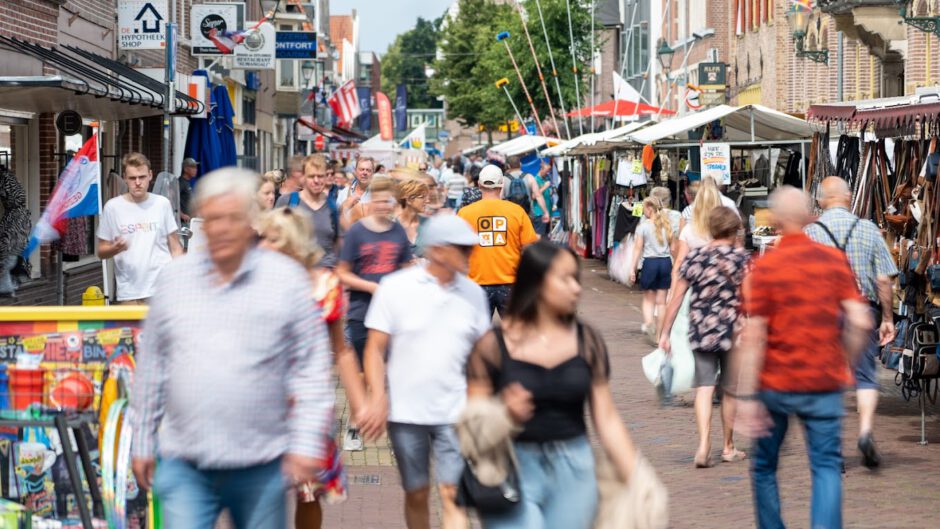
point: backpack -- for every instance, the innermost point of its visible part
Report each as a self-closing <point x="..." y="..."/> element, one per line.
<point x="519" y="193"/>
<point x="294" y="201"/>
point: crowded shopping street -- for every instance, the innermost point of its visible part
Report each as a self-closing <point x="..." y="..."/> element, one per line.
<point x="469" y="264"/>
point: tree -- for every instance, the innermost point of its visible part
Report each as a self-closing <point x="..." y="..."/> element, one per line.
<point x="405" y="62"/>
<point x="473" y="60"/>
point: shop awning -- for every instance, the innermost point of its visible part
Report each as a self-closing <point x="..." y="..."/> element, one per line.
<point x="520" y="145"/>
<point x="619" y="108"/>
<point x="350" y="134"/>
<point x="749" y="123"/>
<point x="884" y="113"/>
<point x="87" y="83"/>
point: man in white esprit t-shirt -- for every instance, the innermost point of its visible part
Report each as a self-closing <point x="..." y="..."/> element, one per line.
<point x="138" y="229"/>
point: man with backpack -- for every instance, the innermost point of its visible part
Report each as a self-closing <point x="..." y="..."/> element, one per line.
<point x="874" y="269"/>
<point x="313" y="201"/>
<point x="504" y="229"/>
<point x="522" y="188"/>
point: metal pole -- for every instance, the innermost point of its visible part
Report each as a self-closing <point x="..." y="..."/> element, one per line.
<point x="504" y="36"/>
<point x="574" y="66"/>
<point x="685" y="61"/>
<point x="593" y="69"/>
<point x="551" y="58"/>
<point x="538" y="68"/>
<point x="502" y="83"/>
<point x="168" y="91"/>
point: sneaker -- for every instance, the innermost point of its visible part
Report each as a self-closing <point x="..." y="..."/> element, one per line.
<point x="352" y="442"/>
<point x="870" y="457"/>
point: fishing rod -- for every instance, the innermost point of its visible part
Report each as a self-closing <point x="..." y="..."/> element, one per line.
<point x="502" y="83"/>
<point x="551" y="58"/>
<point x="504" y="38"/>
<point x="574" y="64"/>
<point x="538" y="68"/>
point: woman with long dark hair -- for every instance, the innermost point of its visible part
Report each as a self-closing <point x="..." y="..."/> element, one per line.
<point x="547" y="365"/>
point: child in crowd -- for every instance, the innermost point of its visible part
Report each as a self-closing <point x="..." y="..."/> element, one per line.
<point x="653" y="241"/>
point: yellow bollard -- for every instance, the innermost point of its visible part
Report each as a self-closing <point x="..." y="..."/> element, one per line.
<point x="92" y="296"/>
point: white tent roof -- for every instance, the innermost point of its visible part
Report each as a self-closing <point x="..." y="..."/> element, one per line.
<point x="768" y="125"/>
<point x="594" y="142"/>
<point x="376" y="143"/>
<point x="520" y="145"/>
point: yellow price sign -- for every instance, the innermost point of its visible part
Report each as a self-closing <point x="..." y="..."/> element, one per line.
<point x="109" y="336"/>
<point x="35" y="344"/>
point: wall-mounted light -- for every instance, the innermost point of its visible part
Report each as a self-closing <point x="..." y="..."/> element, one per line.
<point x="798" y="18"/>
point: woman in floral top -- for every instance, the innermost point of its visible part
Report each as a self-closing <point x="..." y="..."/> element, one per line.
<point x="288" y="232"/>
<point x="714" y="274"/>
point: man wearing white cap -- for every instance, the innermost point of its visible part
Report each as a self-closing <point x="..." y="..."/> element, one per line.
<point x="504" y="228"/>
<point x="428" y="317"/>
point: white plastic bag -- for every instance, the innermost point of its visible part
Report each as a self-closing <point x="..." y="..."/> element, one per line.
<point x="683" y="363"/>
<point x="618" y="266"/>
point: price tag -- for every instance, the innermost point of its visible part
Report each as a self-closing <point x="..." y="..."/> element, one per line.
<point x="638" y="209"/>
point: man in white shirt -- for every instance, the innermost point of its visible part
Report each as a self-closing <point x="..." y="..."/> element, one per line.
<point x="352" y="198"/>
<point x="138" y="229"/>
<point x="428" y="317"/>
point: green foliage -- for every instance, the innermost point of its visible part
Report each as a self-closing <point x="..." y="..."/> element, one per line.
<point x="405" y="61"/>
<point x="473" y="60"/>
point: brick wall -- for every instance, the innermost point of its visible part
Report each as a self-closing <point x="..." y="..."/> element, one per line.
<point x="33" y="20"/>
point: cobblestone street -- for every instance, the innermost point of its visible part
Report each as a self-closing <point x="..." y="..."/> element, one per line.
<point x="899" y="495"/>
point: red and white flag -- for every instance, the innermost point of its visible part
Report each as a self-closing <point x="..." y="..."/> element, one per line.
<point x="345" y="103"/>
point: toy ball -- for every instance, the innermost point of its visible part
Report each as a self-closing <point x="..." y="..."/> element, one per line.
<point x="73" y="392"/>
<point x="502" y="35"/>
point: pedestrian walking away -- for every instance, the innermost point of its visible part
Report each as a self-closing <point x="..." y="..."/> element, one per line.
<point x="545" y="366"/>
<point x="504" y="229"/>
<point x="800" y="338"/>
<point x="288" y="232"/>
<point x="190" y="168"/>
<point x="375" y="246"/>
<point x="653" y="244"/>
<point x="542" y="218"/>
<point x="875" y="271"/>
<point x="714" y="274"/>
<point x="312" y="200"/>
<point x="428" y="317"/>
<point x="139" y="230"/>
<point x="232" y="390"/>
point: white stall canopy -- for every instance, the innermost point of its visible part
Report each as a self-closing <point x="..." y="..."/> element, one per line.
<point x="747" y="124"/>
<point x="521" y="145"/>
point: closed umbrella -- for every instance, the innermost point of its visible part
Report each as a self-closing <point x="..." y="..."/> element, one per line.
<point x="223" y="113"/>
<point x="202" y="139"/>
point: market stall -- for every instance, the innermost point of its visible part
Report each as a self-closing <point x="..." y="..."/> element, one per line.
<point x="888" y="152"/>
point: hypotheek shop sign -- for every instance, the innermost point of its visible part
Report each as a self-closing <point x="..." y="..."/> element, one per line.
<point x="142" y="24"/>
<point x="296" y="45"/>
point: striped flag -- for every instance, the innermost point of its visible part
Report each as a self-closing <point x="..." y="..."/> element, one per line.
<point x="75" y="195"/>
<point x="226" y="41"/>
<point x="345" y="103"/>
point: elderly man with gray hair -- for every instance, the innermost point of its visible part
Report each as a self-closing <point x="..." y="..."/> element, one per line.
<point x="874" y="269"/>
<point x="232" y="386"/>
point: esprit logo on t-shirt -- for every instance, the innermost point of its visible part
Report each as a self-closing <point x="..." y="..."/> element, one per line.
<point x="127" y="229"/>
<point x="492" y="231"/>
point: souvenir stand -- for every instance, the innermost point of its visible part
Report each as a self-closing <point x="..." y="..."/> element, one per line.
<point x="749" y="149"/>
<point x="64" y="448"/>
<point x="887" y="150"/>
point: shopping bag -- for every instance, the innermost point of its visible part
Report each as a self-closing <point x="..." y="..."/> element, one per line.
<point x="683" y="363"/>
<point x="618" y="266"/>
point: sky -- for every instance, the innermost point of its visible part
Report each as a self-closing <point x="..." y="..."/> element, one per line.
<point x="380" y="21"/>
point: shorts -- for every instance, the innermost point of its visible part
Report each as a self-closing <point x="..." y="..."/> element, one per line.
<point x="498" y="297"/>
<point x="866" y="372"/>
<point x="711" y="368"/>
<point x="414" y="445"/>
<point x="656" y="274"/>
<point x="356" y="334"/>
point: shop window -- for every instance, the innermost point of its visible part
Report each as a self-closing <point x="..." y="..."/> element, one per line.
<point x="635" y="50"/>
<point x="249" y="157"/>
<point x="248" y="110"/>
<point x="287" y="74"/>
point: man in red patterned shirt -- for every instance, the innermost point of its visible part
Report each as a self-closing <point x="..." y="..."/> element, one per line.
<point x="807" y="323"/>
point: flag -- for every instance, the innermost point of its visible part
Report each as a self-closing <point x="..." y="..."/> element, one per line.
<point x="75" y="195"/>
<point x="623" y="90"/>
<point x="416" y="139"/>
<point x="226" y="41"/>
<point x="365" y="102"/>
<point x="345" y="103"/>
<point x="401" y="107"/>
<point x="384" y="108"/>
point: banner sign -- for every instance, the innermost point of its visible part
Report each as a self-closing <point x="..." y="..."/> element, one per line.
<point x="384" y="106"/>
<point x="257" y="50"/>
<point x="220" y="17"/>
<point x="296" y="45"/>
<point x="365" y="103"/>
<point x="716" y="162"/>
<point x="711" y="75"/>
<point x="401" y="107"/>
<point x="142" y="24"/>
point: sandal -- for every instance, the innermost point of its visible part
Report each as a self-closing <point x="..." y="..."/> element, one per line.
<point x="733" y="457"/>
<point x="706" y="463"/>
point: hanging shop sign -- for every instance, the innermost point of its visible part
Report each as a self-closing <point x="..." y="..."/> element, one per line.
<point x="712" y="75"/>
<point x="142" y="24"/>
<point x="716" y="162"/>
<point x="204" y="18"/>
<point x="257" y="51"/>
<point x="68" y="122"/>
<point x="296" y="45"/>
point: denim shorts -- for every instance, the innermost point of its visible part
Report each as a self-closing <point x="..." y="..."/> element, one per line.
<point x="866" y="372"/>
<point x="559" y="488"/>
<point x="656" y="274"/>
<point x="356" y="334"/>
<point x="414" y="444"/>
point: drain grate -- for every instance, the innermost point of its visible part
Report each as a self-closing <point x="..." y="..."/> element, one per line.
<point x="367" y="479"/>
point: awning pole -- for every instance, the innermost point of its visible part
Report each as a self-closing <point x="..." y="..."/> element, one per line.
<point x="752" y="124"/>
<point x="168" y="100"/>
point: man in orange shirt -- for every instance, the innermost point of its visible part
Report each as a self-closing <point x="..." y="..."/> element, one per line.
<point x="807" y="324"/>
<point x="504" y="229"/>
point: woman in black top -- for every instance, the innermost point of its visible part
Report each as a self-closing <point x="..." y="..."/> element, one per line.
<point x="547" y="365"/>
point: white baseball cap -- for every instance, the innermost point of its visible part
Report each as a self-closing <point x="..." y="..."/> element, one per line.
<point x="491" y="177"/>
<point x="447" y="230"/>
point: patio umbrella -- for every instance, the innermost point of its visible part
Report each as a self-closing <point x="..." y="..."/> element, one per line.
<point x="224" y="113"/>
<point x="202" y="139"/>
<point x="623" y="108"/>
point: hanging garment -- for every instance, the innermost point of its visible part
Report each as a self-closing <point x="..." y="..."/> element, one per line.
<point x="14" y="228"/>
<point x="626" y="223"/>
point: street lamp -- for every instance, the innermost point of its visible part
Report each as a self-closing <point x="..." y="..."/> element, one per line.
<point x="798" y="17"/>
<point x="665" y="53"/>
<point x="307" y="69"/>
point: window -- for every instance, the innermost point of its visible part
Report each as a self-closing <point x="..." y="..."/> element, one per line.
<point x="250" y="149"/>
<point x="248" y="110"/>
<point x="287" y="74"/>
<point x="635" y="50"/>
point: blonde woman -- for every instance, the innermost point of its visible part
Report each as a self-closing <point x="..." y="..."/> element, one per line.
<point x="695" y="233"/>
<point x="287" y="231"/>
<point x="652" y="243"/>
<point x="413" y="197"/>
<point x="267" y="190"/>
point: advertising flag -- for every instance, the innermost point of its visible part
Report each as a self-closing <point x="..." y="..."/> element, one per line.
<point x="345" y="103"/>
<point x="416" y="139"/>
<point x="384" y="108"/>
<point x="365" y="103"/>
<point x="75" y="195"/>
<point x="401" y="108"/>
